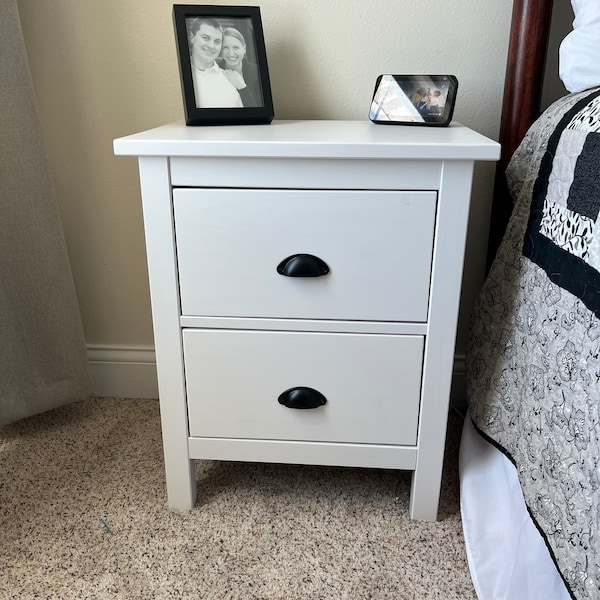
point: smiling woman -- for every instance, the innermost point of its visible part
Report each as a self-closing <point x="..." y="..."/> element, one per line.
<point x="223" y="65"/>
<point x="242" y="73"/>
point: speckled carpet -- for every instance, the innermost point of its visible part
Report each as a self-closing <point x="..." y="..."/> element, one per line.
<point x="83" y="515"/>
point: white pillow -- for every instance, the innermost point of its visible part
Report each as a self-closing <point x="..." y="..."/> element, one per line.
<point x="579" y="53"/>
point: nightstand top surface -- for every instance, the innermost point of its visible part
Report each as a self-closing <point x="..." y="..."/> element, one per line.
<point x="312" y="139"/>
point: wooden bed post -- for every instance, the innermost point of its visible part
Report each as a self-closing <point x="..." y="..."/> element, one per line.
<point x="529" y="31"/>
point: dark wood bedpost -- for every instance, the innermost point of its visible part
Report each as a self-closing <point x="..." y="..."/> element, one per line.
<point x="529" y="31"/>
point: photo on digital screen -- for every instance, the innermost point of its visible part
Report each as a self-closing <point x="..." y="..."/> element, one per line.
<point x="426" y="100"/>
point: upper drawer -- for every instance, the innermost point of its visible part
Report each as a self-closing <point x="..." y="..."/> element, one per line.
<point x="377" y="246"/>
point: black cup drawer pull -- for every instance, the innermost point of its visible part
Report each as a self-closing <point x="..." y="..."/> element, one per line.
<point x="302" y="265"/>
<point x="302" y="397"/>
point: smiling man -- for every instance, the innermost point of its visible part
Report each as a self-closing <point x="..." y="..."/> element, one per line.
<point x="212" y="89"/>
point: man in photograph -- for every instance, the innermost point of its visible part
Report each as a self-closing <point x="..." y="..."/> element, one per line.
<point x="212" y="89"/>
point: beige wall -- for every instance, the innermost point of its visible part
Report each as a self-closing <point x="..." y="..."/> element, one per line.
<point x="108" y="68"/>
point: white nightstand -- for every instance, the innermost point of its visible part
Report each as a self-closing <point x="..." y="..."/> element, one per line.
<point x="305" y="280"/>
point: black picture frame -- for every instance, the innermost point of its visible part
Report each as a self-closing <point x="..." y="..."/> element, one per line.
<point x="210" y="95"/>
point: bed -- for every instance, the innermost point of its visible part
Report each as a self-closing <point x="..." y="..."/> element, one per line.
<point x="530" y="451"/>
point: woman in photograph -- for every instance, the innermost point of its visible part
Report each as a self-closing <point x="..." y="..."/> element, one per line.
<point x="242" y="73"/>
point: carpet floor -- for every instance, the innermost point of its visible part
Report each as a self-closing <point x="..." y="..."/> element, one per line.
<point x="83" y="515"/>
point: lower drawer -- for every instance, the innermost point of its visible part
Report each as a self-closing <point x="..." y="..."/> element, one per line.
<point x="371" y="384"/>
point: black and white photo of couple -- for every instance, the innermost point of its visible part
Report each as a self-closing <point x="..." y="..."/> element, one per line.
<point x="223" y="76"/>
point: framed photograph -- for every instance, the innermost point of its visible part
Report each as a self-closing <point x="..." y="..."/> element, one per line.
<point x="222" y="65"/>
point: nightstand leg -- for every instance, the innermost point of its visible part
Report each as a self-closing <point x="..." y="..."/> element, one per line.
<point x="425" y="494"/>
<point x="162" y="271"/>
<point x="181" y="484"/>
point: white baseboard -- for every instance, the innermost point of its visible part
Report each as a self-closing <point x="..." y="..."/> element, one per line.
<point x="123" y="371"/>
<point x="130" y="372"/>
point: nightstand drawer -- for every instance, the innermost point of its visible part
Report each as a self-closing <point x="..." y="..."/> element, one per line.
<point x="371" y="384"/>
<point x="377" y="246"/>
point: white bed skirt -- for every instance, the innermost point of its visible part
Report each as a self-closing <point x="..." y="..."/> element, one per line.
<point x="508" y="558"/>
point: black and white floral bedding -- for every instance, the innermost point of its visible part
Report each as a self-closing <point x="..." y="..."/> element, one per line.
<point x="533" y="364"/>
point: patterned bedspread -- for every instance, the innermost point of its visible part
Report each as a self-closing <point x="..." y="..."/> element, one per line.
<point x="533" y="364"/>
